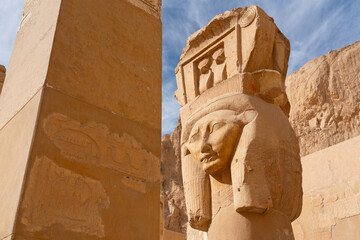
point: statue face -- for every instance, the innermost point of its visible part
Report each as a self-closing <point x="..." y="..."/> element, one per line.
<point x="213" y="140"/>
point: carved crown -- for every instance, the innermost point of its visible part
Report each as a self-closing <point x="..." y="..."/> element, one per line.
<point x="241" y="50"/>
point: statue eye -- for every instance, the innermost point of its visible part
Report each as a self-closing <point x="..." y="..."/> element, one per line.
<point x="194" y="137"/>
<point x="217" y="126"/>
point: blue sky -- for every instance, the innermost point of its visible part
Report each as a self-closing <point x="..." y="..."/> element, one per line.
<point x="313" y="28"/>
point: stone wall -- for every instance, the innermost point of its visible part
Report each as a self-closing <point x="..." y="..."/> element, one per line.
<point x="331" y="185"/>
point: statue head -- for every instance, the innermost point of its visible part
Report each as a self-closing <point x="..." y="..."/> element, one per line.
<point x="213" y="138"/>
<point x="252" y="141"/>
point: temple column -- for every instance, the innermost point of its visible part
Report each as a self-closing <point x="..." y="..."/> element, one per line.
<point x="80" y="122"/>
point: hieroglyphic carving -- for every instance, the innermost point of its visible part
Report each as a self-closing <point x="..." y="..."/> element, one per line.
<point x="59" y="196"/>
<point x="93" y="144"/>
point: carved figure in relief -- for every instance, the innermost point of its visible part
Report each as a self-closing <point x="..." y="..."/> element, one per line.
<point x="219" y="66"/>
<point x="206" y="79"/>
<point x="240" y="157"/>
<point x="212" y="70"/>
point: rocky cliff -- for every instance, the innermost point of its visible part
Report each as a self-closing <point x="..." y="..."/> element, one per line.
<point x="324" y="96"/>
<point x="172" y="193"/>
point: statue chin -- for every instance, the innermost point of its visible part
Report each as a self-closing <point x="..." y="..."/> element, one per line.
<point x="215" y="166"/>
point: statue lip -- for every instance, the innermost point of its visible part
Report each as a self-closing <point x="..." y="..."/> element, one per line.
<point x="208" y="158"/>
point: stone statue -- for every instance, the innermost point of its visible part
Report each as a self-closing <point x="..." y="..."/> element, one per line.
<point x="240" y="157"/>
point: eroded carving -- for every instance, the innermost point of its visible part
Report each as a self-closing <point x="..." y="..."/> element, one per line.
<point x="55" y="195"/>
<point x="219" y="65"/>
<point x="206" y="78"/>
<point x="94" y="144"/>
<point x="212" y="70"/>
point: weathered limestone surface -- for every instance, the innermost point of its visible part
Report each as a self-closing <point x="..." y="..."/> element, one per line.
<point x="80" y="117"/>
<point x="324" y="95"/>
<point x="239" y="155"/>
<point x="331" y="184"/>
<point x="2" y="76"/>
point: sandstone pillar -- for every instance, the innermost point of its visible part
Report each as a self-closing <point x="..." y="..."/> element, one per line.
<point x="240" y="157"/>
<point x="80" y="120"/>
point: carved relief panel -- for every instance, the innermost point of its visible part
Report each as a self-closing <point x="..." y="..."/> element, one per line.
<point x="211" y="69"/>
<point x="94" y="144"/>
<point x="243" y="40"/>
<point x="56" y="195"/>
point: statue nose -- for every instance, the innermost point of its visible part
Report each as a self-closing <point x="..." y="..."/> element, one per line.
<point x="205" y="148"/>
